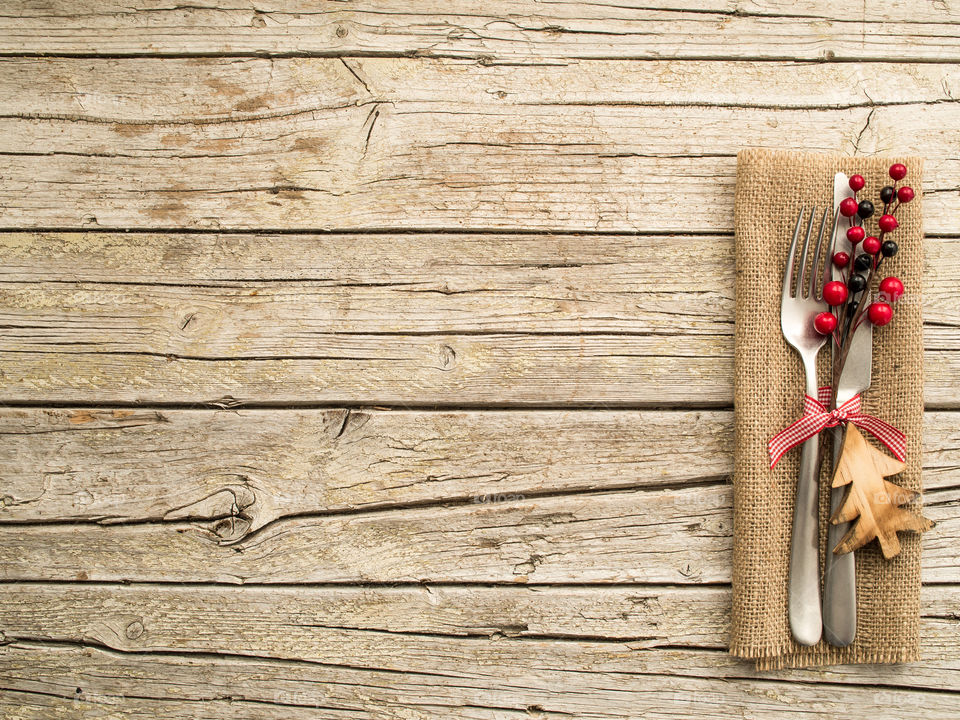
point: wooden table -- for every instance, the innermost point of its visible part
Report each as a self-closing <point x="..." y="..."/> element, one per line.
<point x="374" y="359"/>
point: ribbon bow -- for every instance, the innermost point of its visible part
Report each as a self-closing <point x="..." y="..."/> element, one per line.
<point x="816" y="417"/>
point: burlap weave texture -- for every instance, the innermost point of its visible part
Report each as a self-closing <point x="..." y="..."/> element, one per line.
<point x="768" y="389"/>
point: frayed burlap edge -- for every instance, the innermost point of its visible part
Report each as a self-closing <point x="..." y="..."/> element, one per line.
<point x="787" y="659"/>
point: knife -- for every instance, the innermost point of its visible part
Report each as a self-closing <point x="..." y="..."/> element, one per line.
<point x="840" y="578"/>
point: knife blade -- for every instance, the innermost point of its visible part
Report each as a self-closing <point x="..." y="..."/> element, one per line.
<point x="839" y="581"/>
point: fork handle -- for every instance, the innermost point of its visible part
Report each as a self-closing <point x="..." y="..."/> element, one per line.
<point x="804" y="599"/>
<point x="840" y="575"/>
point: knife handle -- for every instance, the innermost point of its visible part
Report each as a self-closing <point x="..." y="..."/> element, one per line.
<point x="804" y="599"/>
<point x="840" y="573"/>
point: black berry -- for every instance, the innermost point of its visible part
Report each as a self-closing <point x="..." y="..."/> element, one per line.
<point x="856" y="283"/>
<point x="886" y="194"/>
<point x="863" y="262"/>
<point x="889" y="248"/>
<point x="865" y="209"/>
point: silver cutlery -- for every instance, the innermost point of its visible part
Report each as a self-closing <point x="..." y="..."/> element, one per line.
<point x="799" y="306"/>
<point x="839" y="578"/>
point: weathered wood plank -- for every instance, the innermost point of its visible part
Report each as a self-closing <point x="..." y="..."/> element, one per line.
<point x="355" y="156"/>
<point x="346" y="693"/>
<point x="331" y="624"/>
<point x="19" y="705"/>
<point x="433" y="169"/>
<point x="596" y="370"/>
<point x="644" y="535"/>
<point x="398" y="319"/>
<point x="506" y="29"/>
<point x="296" y="143"/>
<point x="119" y="466"/>
<point x="285" y="290"/>
<point x="446" y="263"/>
<point x="673" y="536"/>
<point x="355" y="648"/>
<point x="210" y="90"/>
<point x="397" y="283"/>
<point x="392" y="628"/>
<point x="324" y="624"/>
<point x="131" y="466"/>
<point x="414" y="371"/>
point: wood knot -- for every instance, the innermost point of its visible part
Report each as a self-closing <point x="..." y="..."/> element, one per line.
<point x="232" y="529"/>
<point x="228" y="513"/>
<point x="186" y="321"/>
<point x="134" y="630"/>
<point x="448" y="357"/>
<point x="689" y="572"/>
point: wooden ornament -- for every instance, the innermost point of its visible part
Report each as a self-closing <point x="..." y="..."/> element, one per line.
<point x="871" y="500"/>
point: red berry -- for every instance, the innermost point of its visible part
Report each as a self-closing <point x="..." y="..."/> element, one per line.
<point x="855" y="234"/>
<point x="857" y="182"/>
<point x="825" y="323"/>
<point x="880" y="313"/>
<point x="871" y="245"/>
<point x="905" y="194"/>
<point x="841" y="259"/>
<point x="891" y="288"/>
<point x="888" y="223"/>
<point x="835" y="292"/>
<point x="898" y="171"/>
<point x="849" y="207"/>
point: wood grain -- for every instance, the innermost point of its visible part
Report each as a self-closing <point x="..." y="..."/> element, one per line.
<point x="417" y="152"/>
<point x="210" y="90"/>
<point x="353" y="626"/>
<point x="379" y="649"/>
<point x="873" y="503"/>
<point x="117" y="466"/>
<point x="396" y="319"/>
<point x="562" y="283"/>
<point x="514" y="30"/>
<point x="402" y="371"/>
<point x="380" y="496"/>
<point x="469" y="560"/>
<point x="643" y="535"/>
<point x="281" y="692"/>
<point x="671" y="536"/>
<point x="126" y="466"/>
<point x="30" y="706"/>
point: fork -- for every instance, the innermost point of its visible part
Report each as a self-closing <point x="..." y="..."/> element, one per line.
<point x="798" y="308"/>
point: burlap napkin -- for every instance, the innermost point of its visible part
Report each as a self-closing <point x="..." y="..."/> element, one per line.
<point x="768" y="391"/>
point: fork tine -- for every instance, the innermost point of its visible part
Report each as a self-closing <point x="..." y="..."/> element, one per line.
<point x="812" y="292"/>
<point x="791" y="256"/>
<point x="831" y="246"/>
<point x="802" y="274"/>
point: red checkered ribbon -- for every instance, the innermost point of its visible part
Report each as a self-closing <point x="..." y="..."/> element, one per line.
<point x="816" y="417"/>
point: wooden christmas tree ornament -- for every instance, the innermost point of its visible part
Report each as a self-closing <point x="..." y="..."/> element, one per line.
<point x="872" y="501"/>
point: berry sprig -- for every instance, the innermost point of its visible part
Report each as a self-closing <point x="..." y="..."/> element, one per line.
<point x="848" y="299"/>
